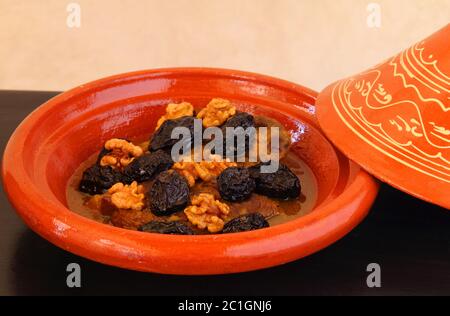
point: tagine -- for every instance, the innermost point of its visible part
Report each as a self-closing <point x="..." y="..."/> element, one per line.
<point x="148" y="185"/>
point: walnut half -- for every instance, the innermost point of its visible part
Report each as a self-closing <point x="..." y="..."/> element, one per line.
<point x="207" y="213"/>
<point x="121" y="154"/>
<point x="174" y="111"/>
<point x="205" y="170"/>
<point x="127" y="197"/>
<point x="216" y="112"/>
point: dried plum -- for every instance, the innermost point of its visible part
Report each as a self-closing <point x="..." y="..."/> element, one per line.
<point x="246" y="222"/>
<point x="147" y="166"/>
<point x="169" y="193"/>
<point x="162" y="139"/>
<point x="97" y="179"/>
<point x="235" y="184"/>
<point x="281" y="184"/>
<point x="171" y="228"/>
<point x="243" y="120"/>
<point x="240" y="119"/>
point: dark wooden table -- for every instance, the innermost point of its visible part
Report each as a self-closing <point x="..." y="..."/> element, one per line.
<point x="408" y="238"/>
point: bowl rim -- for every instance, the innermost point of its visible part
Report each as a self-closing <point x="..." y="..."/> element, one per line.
<point x="67" y="230"/>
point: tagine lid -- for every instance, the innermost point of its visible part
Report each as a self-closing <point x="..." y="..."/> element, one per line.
<point x="394" y="119"/>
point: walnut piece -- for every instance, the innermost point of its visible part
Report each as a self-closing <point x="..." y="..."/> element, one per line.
<point x="206" y="170"/>
<point x="127" y="197"/>
<point x="216" y="112"/>
<point x="176" y="110"/>
<point x="207" y="212"/>
<point x="121" y="154"/>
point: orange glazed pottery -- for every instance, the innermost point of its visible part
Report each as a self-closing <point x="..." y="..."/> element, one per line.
<point x="394" y="119"/>
<point x="50" y="144"/>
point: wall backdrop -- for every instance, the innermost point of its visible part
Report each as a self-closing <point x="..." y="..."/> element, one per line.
<point x="311" y="42"/>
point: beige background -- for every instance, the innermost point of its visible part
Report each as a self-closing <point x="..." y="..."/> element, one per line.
<point x="311" y="42"/>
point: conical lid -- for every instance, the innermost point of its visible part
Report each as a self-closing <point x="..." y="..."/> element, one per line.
<point x="394" y="119"/>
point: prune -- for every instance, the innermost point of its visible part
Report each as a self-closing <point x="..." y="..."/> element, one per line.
<point x="231" y="145"/>
<point x="147" y="166"/>
<point x="171" y="228"/>
<point x="169" y="193"/>
<point x="245" y="223"/>
<point x="97" y="179"/>
<point x="240" y="119"/>
<point x="162" y="139"/>
<point x="281" y="184"/>
<point x="235" y="184"/>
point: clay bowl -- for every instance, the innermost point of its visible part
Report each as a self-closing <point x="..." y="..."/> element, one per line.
<point x="394" y="119"/>
<point x="51" y="143"/>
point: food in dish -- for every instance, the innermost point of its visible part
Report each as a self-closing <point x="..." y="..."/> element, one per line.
<point x="235" y="184"/>
<point x="141" y="185"/>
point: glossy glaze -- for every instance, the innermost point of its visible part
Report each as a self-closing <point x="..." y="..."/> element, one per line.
<point x="48" y="146"/>
<point x="394" y="119"/>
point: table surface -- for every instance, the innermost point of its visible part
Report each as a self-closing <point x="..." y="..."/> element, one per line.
<point x="408" y="238"/>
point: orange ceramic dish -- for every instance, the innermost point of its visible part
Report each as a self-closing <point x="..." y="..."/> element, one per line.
<point x="394" y="119"/>
<point x="51" y="143"/>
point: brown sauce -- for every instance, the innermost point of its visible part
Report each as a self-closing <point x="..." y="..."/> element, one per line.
<point x="276" y="211"/>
